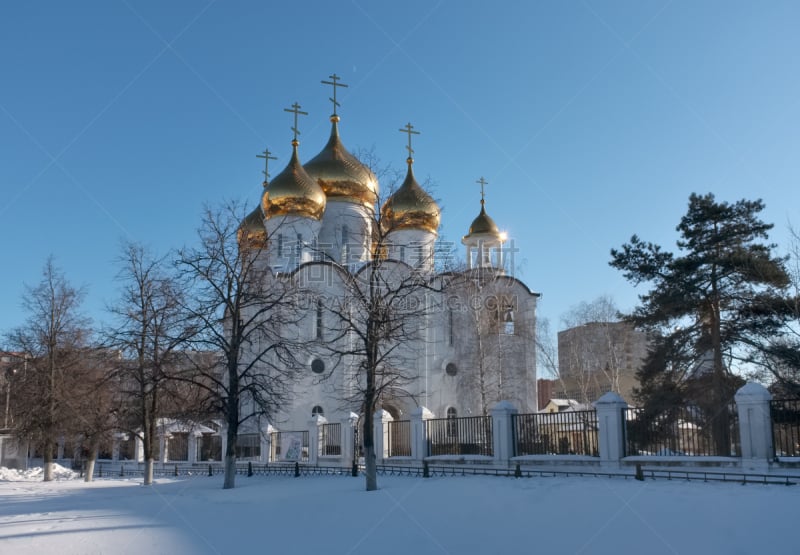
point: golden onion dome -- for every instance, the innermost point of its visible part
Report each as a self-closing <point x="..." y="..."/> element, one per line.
<point x="340" y="174"/>
<point x="484" y="225"/>
<point x="410" y="207"/>
<point x="251" y="232"/>
<point x="293" y="192"/>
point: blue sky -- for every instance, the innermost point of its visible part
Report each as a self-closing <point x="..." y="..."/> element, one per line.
<point x="590" y="120"/>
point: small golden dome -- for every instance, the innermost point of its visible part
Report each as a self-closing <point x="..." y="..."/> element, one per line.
<point x="251" y="232"/>
<point x="410" y="207"/>
<point x="293" y="192"/>
<point x="340" y="174"/>
<point x="484" y="224"/>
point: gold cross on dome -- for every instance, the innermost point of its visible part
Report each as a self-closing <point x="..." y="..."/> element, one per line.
<point x="409" y="129"/>
<point x="267" y="156"/>
<point x="334" y="82"/>
<point x="482" y="183"/>
<point x="295" y="109"/>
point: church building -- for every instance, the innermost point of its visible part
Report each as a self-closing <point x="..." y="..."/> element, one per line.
<point x="470" y="339"/>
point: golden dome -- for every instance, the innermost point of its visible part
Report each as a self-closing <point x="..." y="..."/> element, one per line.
<point x="410" y="207"/>
<point x="340" y="174"/>
<point x="483" y="225"/>
<point x="251" y="232"/>
<point x="293" y="192"/>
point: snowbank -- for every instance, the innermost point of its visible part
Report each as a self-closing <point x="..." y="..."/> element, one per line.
<point x="35" y="474"/>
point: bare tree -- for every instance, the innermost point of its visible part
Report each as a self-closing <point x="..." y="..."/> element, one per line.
<point x="52" y="341"/>
<point x="593" y="349"/>
<point x="237" y="307"/>
<point x="148" y="333"/>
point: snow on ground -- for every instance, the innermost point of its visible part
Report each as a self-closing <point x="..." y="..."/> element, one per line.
<point x="453" y="515"/>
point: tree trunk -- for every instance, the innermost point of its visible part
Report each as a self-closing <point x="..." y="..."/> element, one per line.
<point x="48" y="461"/>
<point x="230" y="460"/>
<point x="87" y="477"/>
<point x="230" y="472"/>
<point x="370" y="465"/>
<point x="149" y="463"/>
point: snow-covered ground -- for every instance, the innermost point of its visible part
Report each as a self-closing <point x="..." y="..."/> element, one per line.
<point x="453" y="515"/>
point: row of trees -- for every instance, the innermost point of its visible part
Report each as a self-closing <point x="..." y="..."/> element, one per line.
<point x="188" y="339"/>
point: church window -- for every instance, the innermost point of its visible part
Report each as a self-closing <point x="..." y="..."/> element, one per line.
<point x="280" y="244"/>
<point x="319" y="320"/>
<point x="451" y="370"/>
<point x="299" y="247"/>
<point x="317" y="411"/>
<point x="402" y="253"/>
<point x="508" y="322"/>
<point x="420" y="254"/>
<point x="451" y="332"/>
<point x="317" y="366"/>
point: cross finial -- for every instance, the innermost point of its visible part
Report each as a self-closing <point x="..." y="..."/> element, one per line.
<point x="267" y="156"/>
<point x="295" y="109"/>
<point x="409" y="129"/>
<point x="482" y="183"/>
<point x="334" y="82"/>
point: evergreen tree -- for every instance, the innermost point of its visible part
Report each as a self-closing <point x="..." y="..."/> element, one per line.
<point x="710" y="305"/>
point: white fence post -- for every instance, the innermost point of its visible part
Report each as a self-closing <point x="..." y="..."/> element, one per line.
<point x="610" y="421"/>
<point x="382" y="418"/>
<point x="419" y="441"/>
<point x="313" y="437"/>
<point x="755" y="426"/>
<point x="502" y="432"/>
<point x="348" y="439"/>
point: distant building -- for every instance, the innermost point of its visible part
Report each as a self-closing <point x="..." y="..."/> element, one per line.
<point x="544" y="392"/>
<point x="599" y="357"/>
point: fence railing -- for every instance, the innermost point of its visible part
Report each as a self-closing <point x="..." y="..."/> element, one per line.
<point x="289" y="446"/>
<point x="330" y="440"/>
<point x="785" y="415"/>
<point x="471" y="435"/>
<point x="556" y="433"/>
<point x="399" y="438"/>
<point x="682" y="431"/>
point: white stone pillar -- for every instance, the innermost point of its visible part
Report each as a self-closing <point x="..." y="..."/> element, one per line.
<point x="314" y="437"/>
<point x="610" y="434"/>
<point x="162" y="448"/>
<point x="271" y="457"/>
<point x="138" y="449"/>
<point x="191" y="455"/>
<point x="419" y="441"/>
<point x="266" y="440"/>
<point x="502" y="432"/>
<point x="755" y="426"/>
<point x="381" y="419"/>
<point x="348" y="439"/>
<point x="115" y="447"/>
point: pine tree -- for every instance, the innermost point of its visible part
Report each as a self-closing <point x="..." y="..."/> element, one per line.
<point x="710" y="305"/>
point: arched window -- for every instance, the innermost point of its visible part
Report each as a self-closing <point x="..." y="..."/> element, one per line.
<point x="280" y="244"/>
<point x="317" y="410"/>
<point x="319" y="319"/>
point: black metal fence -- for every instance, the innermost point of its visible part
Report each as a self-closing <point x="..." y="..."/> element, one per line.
<point x="471" y="435"/>
<point x="400" y="438"/>
<point x="682" y="431"/>
<point x="556" y="433"/>
<point x="785" y="415"/>
<point x="330" y="440"/>
<point x="289" y="446"/>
